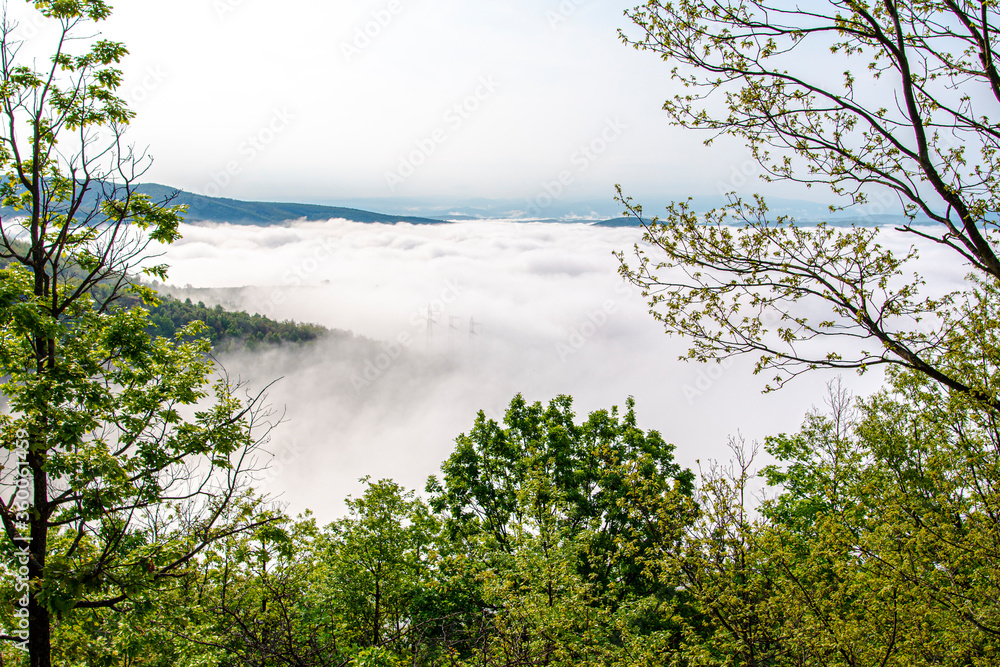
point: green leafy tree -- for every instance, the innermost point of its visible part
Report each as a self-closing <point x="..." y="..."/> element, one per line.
<point x="911" y="519"/>
<point x="543" y="611"/>
<point x="877" y="548"/>
<point x="911" y="115"/>
<point x="376" y="561"/>
<point x="130" y="463"/>
<point x="260" y="601"/>
<point x="562" y="527"/>
<point x="597" y="469"/>
<point x="230" y="330"/>
<point x="725" y="568"/>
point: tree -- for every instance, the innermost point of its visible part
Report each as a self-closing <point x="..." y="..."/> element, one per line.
<point x="376" y="562"/>
<point x="118" y="469"/>
<point x="880" y="545"/>
<point x="876" y="547"/>
<point x="724" y="565"/>
<point x="561" y="528"/>
<point x="542" y="609"/>
<point x="605" y="470"/>
<point x="262" y="601"/>
<point x="310" y="596"/>
<point x="914" y="117"/>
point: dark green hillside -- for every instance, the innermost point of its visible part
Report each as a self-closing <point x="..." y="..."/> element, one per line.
<point x="217" y="209"/>
<point x="228" y="329"/>
<point x="618" y="222"/>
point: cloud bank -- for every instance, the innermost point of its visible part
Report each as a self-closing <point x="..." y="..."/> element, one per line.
<point x="458" y="318"/>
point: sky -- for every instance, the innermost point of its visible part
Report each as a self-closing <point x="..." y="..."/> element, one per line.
<point x="318" y="101"/>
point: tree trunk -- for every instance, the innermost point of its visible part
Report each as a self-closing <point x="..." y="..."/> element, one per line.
<point x="376" y="635"/>
<point x="39" y="639"/>
<point x="39" y="621"/>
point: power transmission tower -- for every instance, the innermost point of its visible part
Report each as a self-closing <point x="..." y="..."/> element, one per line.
<point x="451" y="332"/>
<point x="431" y="322"/>
<point x="474" y="328"/>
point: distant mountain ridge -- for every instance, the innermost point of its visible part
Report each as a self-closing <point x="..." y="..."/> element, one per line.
<point x="607" y="212"/>
<point x="202" y="208"/>
<point x="858" y="221"/>
<point x="215" y="209"/>
<point x="234" y="211"/>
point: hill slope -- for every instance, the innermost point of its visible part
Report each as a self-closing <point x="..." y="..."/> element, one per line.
<point x="218" y="209"/>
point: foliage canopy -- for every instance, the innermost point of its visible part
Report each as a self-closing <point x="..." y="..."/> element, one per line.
<point x="912" y="115"/>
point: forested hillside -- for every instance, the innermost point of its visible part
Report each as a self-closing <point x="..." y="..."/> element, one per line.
<point x="201" y="208"/>
<point x="227" y="329"/>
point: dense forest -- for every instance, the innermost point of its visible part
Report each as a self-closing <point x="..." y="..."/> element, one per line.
<point x="547" y="540"/>
<point x="227" y="329"/>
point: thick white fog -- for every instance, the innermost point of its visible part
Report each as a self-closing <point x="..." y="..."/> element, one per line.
<point x="513" y="307"/>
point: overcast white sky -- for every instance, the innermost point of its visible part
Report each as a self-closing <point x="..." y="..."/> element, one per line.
<point x="294" y="101"/>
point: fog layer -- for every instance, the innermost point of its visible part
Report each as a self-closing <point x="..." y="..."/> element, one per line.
<point x="461" y="317"/>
